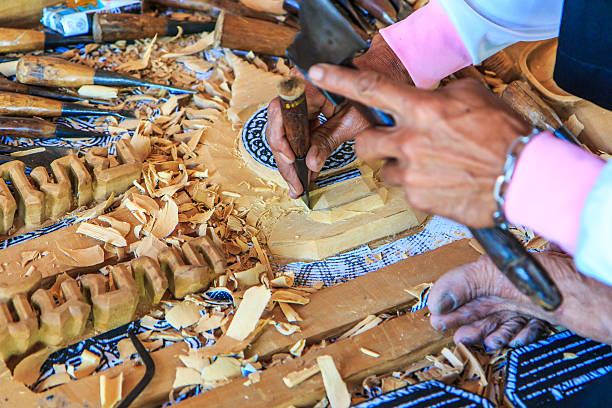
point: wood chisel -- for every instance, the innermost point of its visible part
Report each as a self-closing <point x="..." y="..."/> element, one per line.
<point x="520" y="96"/>
<point x="107" y="27"/>
<point x="33" y="128"/>
<point x="337" y="44"/>
<point x="294" y="110"/>
<point x="111" y="27"/>
<point x="7" y="85"/>
<point x="50" y="71"/>
<point x="14" y="104"/>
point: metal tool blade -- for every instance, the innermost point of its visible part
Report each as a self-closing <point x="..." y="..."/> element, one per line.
<point x="303" y="173"/>
<point x="325" y="37"/>
<point x="42" y="156"/>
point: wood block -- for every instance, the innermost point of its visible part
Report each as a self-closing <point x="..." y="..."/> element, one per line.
<point x="8" y="207"/>
<point x="330" y="311"/>
<point x="151" y="281"/>
<point x="30" y="201"/>
<point x="399" y="341"/>
<point x="17" y="335"/>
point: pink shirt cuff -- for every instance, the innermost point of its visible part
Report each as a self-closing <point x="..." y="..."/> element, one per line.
<point x="550" y="185"/>
<point x="428" y="45"/>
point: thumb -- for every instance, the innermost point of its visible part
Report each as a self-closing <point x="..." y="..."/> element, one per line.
<point x="326" y="138"/>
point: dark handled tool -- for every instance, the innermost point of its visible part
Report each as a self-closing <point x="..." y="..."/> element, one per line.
<point x="111" y="27"/>
<point x="33" y="156"/>
<point x="294" y="110"/>
<point x="50" y="71"/>
<point x="33" y="128"/>
<point x="15" y="104"/>
<point x="520" y="96"/>
<point x="382" y="10"/>
<point x="21" y="40"/>
<point x="337" y="44"/>
<point x="149" y="371"/>
<point x="7" y="85"/>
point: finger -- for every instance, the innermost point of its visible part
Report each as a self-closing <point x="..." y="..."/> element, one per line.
<point x="369" y="88"/>
<point x="473" y="333"/>
<point x="378" y="143"/>
<point x="326" y="138"/>
<point x="275" y="134"/>
<point x="393" y="173"/>
<point x="468" y="282"/>
<point x="505" y="332"/>
<point x="287" y="171"/>
<point x="534" y="329"/>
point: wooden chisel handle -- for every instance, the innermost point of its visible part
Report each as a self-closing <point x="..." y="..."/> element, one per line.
<point x="520" y="96"/>
<point x="26" y="127"/>
<point x="382" y="10"/>
<point x="12" y="86"/>
<point x="50" y="71"/>
<point x="14" y="104"/>
<point x="294" y="111"/>
<point x="20" y="40"/>
<point x="111" y="27"/>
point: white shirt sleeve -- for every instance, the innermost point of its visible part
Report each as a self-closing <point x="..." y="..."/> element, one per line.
<point x="488" y="26"/>
<point x="593" y="256"/>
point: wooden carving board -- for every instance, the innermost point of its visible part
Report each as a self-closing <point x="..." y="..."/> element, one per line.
<point x="349" y="219"/>
<point x="330" y="312"/>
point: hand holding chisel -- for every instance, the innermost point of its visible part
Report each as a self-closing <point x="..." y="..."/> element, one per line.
<point x="294" y="110"/>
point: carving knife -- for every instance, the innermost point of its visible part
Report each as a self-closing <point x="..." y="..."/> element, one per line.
<point x="33" y="128"/>
<point x="337" y="44"/>
<point x="28" y="105"/>
<point x="294" y="110"/>
<point x="50" y="71"/>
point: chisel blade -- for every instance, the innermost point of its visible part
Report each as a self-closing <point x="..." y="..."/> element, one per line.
<point x="303" y="175"/>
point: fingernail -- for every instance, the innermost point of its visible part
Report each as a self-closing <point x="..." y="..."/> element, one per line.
<point x="438" y="324"/>
<point x="285" y="158"/>
<point x="292" y="192"/>
<point x="315" y="73"/>
<point x="448" y="303"/>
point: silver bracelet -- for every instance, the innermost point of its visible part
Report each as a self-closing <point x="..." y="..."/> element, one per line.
<point x="502" y="181"/>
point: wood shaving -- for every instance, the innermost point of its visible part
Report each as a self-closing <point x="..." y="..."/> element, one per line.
<point x="53" y="381"/>
<point x="167" y="220"/>
<point x="285" y="296"/>
<point x="183" y="315"/>
<point x="89" y="363"/>
<point x="110" y="390"/>
<point x="250" y="310"/>
<point x="90" y="256"/>
<point x="369" y="352"/>
<point x="142" y="63"/>
<point x="205" y="41"/>
<point x="297" y="349"/>
<point x="290" y="314"/>
<point x="366" y="324"/>
<point x="297" y="377"/>
<point x="222" y="369"/>
<point x="186" y="376"/>
<point x="335" y="388"/>
<point x="105" y="234"/>
<point x="126" y="349"/>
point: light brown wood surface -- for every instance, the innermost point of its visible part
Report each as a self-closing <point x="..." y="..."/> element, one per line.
<point x="249" y="34"/>
<point x="23" y="13"/>
<point x="19" y="40"/>
<point x="330" y="311"/>
<point x="50" y="71"/>
<point x="111" y="27"/>
<point x="401" y="341"/>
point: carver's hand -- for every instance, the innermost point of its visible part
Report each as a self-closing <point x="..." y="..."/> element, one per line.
<point x="447" y="148"/>
<point x="344" y="122"/>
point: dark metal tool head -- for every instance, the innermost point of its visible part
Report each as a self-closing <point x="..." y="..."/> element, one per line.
<point x="39" y="156"/>
<point x="326" y="37"/>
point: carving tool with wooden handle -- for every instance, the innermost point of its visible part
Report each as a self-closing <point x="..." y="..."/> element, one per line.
<point x="21" y="40"/>
<point x="50" y="71"/>
<point x="520" y="96"/>
<point x="111" y="27"/>
<point x="294" y="110"/>
<point x="382" y="10"/>
<point x="7" y="85"/>
<point x="338" y="44"/>
<point x="14" y="104"/>
<point x="33" y="128"/>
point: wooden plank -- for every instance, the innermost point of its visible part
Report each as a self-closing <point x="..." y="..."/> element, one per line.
<point x="333" y="310"/>
<point x="400" y="341"/>
<point x="49" y="265"/>
<point x="329" y="312"/>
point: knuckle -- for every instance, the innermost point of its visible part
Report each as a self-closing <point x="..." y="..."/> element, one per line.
<point x="369" y="82"/>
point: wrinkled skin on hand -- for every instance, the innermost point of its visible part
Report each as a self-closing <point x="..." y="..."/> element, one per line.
<point x="448" y="145"/>
<point x="344" y="121"/>
<point x="485" y="307"/>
